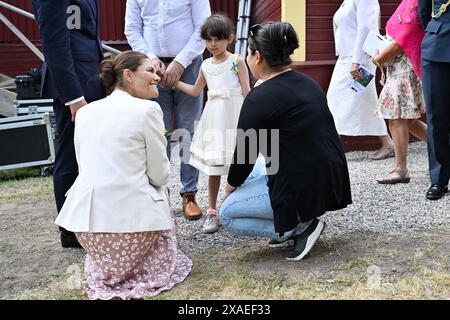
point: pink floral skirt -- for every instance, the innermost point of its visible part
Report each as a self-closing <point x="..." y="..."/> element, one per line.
<point x="402" y="94"/>
<point x="132" y="265"/>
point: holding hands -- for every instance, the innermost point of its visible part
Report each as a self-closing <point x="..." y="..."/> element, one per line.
<point x="170" y="75"/>
<point x="173" y="74"/>
<point x="159" y="66"/>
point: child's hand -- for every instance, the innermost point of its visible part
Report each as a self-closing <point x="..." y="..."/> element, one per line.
<point x="173" y="74"/>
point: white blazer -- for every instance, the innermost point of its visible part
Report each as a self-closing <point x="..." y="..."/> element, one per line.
<point x="351" y="25"/>
<point x="123" y="166"/>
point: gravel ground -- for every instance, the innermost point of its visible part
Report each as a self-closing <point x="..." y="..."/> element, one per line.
<point x="376" y="208"/>
<point x="390" y="227"/>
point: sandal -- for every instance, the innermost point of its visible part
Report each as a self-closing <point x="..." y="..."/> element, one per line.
<point x="380" y="155"/>
<point x="395" y="176"/>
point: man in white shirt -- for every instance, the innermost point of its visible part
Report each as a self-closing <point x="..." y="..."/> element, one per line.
<point x="168" y="31"/>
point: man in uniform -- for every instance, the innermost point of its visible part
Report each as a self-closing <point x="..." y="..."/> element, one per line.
<point x="435" y="18"/>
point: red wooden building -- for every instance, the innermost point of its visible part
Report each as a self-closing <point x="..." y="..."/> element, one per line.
<point x="314" y="16"/>
<point x="319" y="51"/>
<point x="16" y="58"/>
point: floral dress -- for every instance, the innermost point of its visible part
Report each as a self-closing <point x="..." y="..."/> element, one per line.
<point x="402" y="95"/>
<point x="132" y="265"/>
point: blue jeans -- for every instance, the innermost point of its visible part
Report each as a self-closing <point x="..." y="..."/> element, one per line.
<point x="181" y="111"/>
<point x="247" y="211"/>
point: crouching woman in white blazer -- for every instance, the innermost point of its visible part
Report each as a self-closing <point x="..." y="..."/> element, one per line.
<point x="118" y="206"/>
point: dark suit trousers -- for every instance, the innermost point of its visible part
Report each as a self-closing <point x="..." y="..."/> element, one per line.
<point x="436" y="77"/>
<point x="66" y="168"/>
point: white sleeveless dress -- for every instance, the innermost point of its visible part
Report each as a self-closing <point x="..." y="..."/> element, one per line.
<point x="214" y="139"/>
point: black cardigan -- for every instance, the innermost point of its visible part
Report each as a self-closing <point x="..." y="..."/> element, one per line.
<point x="313" y="176"/>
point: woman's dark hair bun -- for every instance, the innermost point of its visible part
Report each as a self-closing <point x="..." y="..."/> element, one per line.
<point x="276" y="41"/>
<point x="290" y="38"/>
<point x="107" y="74"/>
<point x="111" y="70"/>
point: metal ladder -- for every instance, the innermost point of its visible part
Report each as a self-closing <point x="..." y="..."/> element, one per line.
<point x="243" y="26"/>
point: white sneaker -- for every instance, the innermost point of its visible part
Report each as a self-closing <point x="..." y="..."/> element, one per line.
<point x="212" y="221"/>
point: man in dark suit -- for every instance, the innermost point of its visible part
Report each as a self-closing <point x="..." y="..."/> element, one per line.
<point x="69" y="32"/>
<point x="435" y="18"/>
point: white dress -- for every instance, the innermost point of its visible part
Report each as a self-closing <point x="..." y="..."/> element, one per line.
<point x="354" y="113"/>
<point x="214" y="139"/>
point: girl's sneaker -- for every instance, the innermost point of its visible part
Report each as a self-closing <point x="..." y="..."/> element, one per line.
<point x="212" y="221"/>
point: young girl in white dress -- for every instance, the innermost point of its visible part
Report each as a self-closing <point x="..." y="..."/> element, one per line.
<point x="226" y="76"/>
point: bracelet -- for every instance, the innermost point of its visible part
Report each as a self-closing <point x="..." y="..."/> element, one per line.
<point x="375" y="62"/>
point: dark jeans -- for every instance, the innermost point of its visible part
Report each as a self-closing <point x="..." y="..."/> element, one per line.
<point x="182" y="111"/>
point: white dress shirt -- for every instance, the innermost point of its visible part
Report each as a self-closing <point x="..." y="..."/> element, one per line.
<point x="74" y="101"/>
<point x="167" y="28"/>
<point x="123" y="167"/>
<point x="351" y="25"/>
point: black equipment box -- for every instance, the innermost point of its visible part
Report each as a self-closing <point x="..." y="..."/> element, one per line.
<point x="27" y="87"/>
<point x="33" y="106"/>
<point x="26" y="141"/>
<point x="27" y="107"/>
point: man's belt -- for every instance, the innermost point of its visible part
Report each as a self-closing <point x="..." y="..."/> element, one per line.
<point x="442" y="9"/>
<point x="166" y="60"/>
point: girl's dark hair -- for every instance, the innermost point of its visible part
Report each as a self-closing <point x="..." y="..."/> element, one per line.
<point x="111" y="70"/>
<point x="217" y="25"/>
<point x="275" y="41"/>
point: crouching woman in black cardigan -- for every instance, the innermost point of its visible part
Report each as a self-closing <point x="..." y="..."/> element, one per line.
<point x="294" y="128"/>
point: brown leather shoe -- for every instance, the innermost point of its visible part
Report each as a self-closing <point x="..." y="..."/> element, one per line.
<point x="191" y="210"/>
